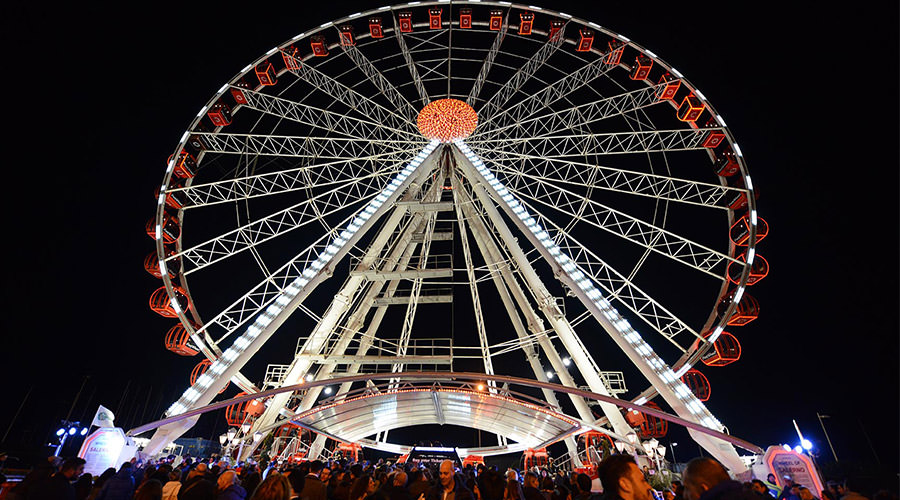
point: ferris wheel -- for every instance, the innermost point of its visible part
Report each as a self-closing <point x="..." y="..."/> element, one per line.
<point x="477" y="185"/>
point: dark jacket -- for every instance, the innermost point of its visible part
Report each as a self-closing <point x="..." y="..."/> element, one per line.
<point x="459" y="490"/>
<point x="197" y="488"/>
<point x="532" y="493"/>
<point x="55" y="487"/>
<point x="313" y="489"/>
<point x="119" y="487"/>
<point x="233" y="492"/>
<point x="728" y="490"/>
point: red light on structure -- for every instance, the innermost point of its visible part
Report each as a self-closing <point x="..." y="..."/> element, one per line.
<point x="319" y="48"/>
<point x="616" y="48"/>
<point x="447" y="120"/>
<point x="526" y="22"/>
<point x="178" y="341"/>
<point x="375" y="29"/>
<point x="496" y="20"/>
<point x="714" y="137"/>
<point x="169" y="229"/>
<point x="758" y="270"/>
<point x="237" y="89"/>
<point x="219" y="114"/>
<point x="690" y="109"/>
<point x="160" y="303"/>
<point x="347" y="36"/>
<point x="185" y="165"/>
<point x="726" y="163"/>
<point x="653" y="426"/>
<point x="740" y="230"/>
<point x="725" y="350"/>
<point x="291" y="56"/>
<point x="265" y="73"/>
<point x="434" y="18"/>
<point x="746" y="310"/>
<point x="405" y="20"/>
<point x="585" y="40"/>
<point x="555" y="28"/>
<point x="668" y="86"/>
<point x="465" y="18"/>
<point x="698" y="384"/>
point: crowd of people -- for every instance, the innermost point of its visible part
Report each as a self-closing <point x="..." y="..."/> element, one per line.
<point x="619" y="475"/>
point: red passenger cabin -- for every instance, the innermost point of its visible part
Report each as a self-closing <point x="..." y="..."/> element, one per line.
<point x="185" y="165"/>
<point x="690" y="109"/>
<point x="405" y="20"/>
<point x="375" y="28"/>
<point x="726" y="163"/>
<point x="318" y="45"/>
<point x="347" y="39"/>
<point x="641" y="68"/>
<point x="160" y="303"/>
<point x="698" y="384"/>
<point x="265" y="73"/>
<point x="555" y="27"/>
<point x="219" y="114"/>
<point x="725" y="350"/>
<point x="616" y="48"/>
<point x="740" y="230"/>
<point x="526" y="22"/>
<point x="535" y="458"/>
<point x="434" y="18"/>
<point x="585" y="40"/>
<point x="668" y="86"/>
<point x="758" y="270"/>
<point x="245" y="412"/>
<point x="291" y="56"/>
<point x="465" y="18"/>
<point x="714" y="137"/>
<point x="178" y="340"/>
<point x="653" y="426"/>
<point x="496" y="20"/>
<point x="151" y="265"/>
<point x="746" y="310"/>
<point x="170" y="231"/>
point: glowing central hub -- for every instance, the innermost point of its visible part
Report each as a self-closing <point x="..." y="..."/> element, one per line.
<point x="447" y="120"/>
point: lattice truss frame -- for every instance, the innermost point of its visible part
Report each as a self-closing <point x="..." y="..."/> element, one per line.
<point x="338" y="134"/>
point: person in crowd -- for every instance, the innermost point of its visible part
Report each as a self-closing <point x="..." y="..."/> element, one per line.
<point x="59" y="485"/>
<point x="313" y="487"/>
<point x="274" y="487"/>
<point x="531" y="490"/>
<point x="449" y="487"/>
<point x="805" y="494"/>
<point x="397" y="490"/>
<point x="197" y="485"/>
<point x="150" y="489"/>
<point x="83" y="486"/>
<point x="170" y="489"/>
<point x="622" y="479"/>
<point x="99" y="481"/>
<point x="362" y="487"/>
<point x="297" y="479"/>
<point x="678" y="489"/>
<point x="228" y="487"/>
<point x="790" y="490"/>
<point x="583" y="485"/>
<point x="120" y="486"/>
<point x="706" y="479"/>
<point x="251" y="481"/>
<point x="513" y="490"/>
<point x="844" y="492"/>
<point x="760" y="488"/>
<point x="418" y="484"/>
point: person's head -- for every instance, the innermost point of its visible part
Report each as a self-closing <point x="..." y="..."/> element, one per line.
<point x="531" y="480"/>
<point x="150" y="489"/>
<point x="701" y="475"/>
<point x="513" y="490"/>
<point x="325" y="475"/>
<point x="583" y="482"/>
<point x="227" y="478"/>
<point x="512" y="475"/>
<point x="621" y="476"/>
<point x="72" y="467"/>
<point x="296" y="479"/>
<point x="677" y="488"/>
<point x="274" y="487"/>
<point x="361" y="486"/>
<point x="315" y="467"/>
<point x="668" y="494"/>
<point x="446" y="472"/>
<point x="759" y="487"/>
<point x="805" y="494"/>
<point x="400" y="479"/>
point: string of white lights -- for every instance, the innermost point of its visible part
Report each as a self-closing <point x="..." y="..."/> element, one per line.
<point x="192" y="394"/>
<point x="697" y="409"/>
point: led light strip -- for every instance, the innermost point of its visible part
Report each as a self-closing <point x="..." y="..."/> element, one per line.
<point x="697" y="409"/>
<point x="228" y="357"/>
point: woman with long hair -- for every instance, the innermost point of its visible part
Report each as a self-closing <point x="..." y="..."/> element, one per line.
<point x="274" y="487"/>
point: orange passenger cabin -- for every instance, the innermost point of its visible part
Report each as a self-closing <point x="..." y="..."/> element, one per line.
<point x="375" y="28"/>
<point x="405" y="20"/>
<point x="243" y="412"/>
<point x="465" y="18"/>
<point x="473" y="460"/>
<point x="219" y="114"/>
<point x="653" y="426"/>
<point x="347" y="39"/>
<point x="318" y="45"/>
<point x="350" y="450"/>
<point x="291" y="56"/>
<point x="434" y="18"/>
<point x="169" y="229"/>
<point x="173" y="199"/>
<point x="496" y="20"/>
<point x="641" y="68"/>
<point x="690" y="109"/>
<point x="740" y="230"/>
<point x="526" y="22"/>
<point x="726" y="163"/>
<point x="185" y="165"/>
<point x="555" y="27"/>
<point x="724" y="351"/>
<point x="265" y="73"/>
<point x="616" y="48"/>
<point x="758" y="270"/>
<point x="178" y="340"/>
<point x="151" y="265"/>
<point x="591" y="444"/>
<point x="534" y="458"/>
<point x="585" y="40"/>
<point x="746" y="310"/>
<point x="698" y="384"/>
<point x="713" y="138"/>
<point x="162" y="305"/>
<point x="668" y="86"/>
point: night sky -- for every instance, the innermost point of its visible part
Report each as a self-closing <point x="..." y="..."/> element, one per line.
<point x="97" y="98"/>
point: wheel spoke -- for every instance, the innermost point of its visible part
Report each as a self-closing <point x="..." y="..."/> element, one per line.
<point x="356" y="101"/>
<point x="410" y="64"/>
<point x="498" y="100"/>
<point x="399" y="102"/>
<point x="577" y="145"/>
<point x="322" y="118"/>
<point x="300" y="147"/>
<point x="488" y="62"/>
<point x="576" y="174"/>
<point x="571" y="117"/>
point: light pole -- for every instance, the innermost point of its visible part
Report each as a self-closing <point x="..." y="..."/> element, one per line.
<point x="820" y="417"/>
<point x="672" y="446"/>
